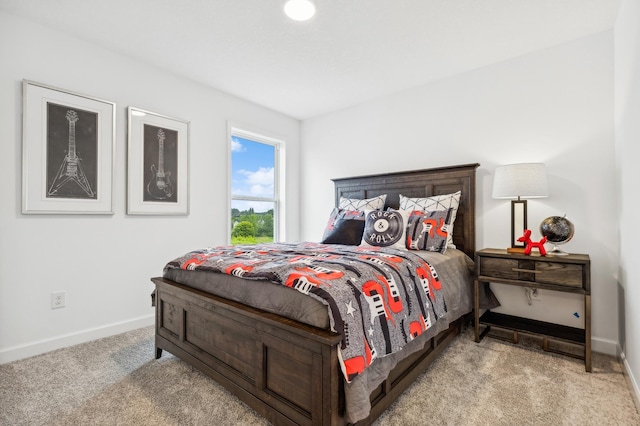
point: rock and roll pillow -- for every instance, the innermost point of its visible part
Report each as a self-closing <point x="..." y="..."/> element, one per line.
<point x="427" y="231"/>
<point x="375" y="203"/>
<point x="448" y="202"/>
<point x="344" y="227"/>
<point x="385" y="229"/>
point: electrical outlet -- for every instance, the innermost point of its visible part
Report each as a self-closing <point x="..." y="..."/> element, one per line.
<point x="58" y="300"/>
<point x="535" y="294"/>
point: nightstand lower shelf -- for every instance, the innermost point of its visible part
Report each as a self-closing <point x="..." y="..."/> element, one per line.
<point x="546" y="330"/>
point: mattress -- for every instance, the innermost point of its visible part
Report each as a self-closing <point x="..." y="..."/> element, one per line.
<point x="454" y="268"/>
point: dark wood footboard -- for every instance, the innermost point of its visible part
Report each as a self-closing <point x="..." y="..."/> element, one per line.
<point x="285" y="370"/>
<point x="281" y="368"/>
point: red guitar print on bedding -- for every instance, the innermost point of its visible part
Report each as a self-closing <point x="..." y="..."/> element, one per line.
<point x="378" y="299"/>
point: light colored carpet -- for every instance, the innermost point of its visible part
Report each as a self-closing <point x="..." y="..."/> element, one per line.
<point x="116" y="381"/>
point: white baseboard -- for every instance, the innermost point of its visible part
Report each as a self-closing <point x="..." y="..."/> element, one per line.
<point x="633" y="383"/>
<point x="605" y="346"/>
<point x="38" y="347"/>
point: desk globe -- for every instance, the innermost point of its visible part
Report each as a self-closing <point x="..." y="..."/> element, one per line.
<point x="558" y="230"/>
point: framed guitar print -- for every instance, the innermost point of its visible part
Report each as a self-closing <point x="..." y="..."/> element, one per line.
<point x="68" y="143"/>
<point x="158" y="164"/>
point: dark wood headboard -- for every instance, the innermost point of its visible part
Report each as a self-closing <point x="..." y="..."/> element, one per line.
<point x="423" y="183"/>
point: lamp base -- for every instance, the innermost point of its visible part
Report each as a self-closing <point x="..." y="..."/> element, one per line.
<point x="515" y="250"/>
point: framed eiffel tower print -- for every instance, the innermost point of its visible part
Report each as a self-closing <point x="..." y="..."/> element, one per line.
<point x="158" y="174"/>
<point x="68" y="142"/>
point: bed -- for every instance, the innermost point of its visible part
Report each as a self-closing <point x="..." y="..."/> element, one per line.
<point x="290" y="371"/>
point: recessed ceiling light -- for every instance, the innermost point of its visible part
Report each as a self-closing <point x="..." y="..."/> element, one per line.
<point x="299" y="10"/>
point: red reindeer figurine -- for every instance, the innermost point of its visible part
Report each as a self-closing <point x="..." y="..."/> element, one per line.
<point x="528" y="244"/>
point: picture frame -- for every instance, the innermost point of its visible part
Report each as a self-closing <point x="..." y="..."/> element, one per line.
<point x="158" y="164"/>
<point x="68" y="147"/>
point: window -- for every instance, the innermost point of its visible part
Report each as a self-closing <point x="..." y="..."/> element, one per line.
<point x="255" y="187"/>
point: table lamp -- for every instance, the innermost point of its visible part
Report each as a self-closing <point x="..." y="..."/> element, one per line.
<point x="518" y="182"/>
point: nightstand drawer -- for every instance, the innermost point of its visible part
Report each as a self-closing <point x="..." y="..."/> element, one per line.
<point x="563" y="274"/>
<point x="499" y="268"/>
<point x="559" y="273"/>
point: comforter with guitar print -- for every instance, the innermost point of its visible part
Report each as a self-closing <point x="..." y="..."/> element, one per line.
<point x="378" y="299"/>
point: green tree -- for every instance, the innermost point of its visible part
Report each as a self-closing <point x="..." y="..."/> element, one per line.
<point x="244" y="229"/>
<point x="266" y="225"/>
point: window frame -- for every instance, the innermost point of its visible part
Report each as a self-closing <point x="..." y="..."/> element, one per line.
<point x="278" y="143"/>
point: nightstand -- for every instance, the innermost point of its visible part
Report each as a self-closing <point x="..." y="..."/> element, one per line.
<point x="567" y="273"/>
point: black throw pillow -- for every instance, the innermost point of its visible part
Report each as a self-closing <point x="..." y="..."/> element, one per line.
<point x="345" y="231"/>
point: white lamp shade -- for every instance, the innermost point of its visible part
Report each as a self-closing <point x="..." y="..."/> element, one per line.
<point x="526" y="180"/>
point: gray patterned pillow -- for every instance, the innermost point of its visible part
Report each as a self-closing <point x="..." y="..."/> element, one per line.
<point x="427" y="231"/>
<point x="448" y="202"/>
<point x="375" y="203"/>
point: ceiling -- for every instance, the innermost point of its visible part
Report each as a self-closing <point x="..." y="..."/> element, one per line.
<point x="351" y="51"/>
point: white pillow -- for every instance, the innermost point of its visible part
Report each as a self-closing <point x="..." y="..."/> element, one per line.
<point x="385" y="228"/>
<point x="447" y="202"/>
<point x="375" y="203"/>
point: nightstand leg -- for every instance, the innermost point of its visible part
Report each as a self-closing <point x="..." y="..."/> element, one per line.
<point x="476" y="309"/>
<point x="587" y="332"/>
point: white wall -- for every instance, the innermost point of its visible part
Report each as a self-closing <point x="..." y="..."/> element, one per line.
<point x="553" y="106"/>
<point x="627" y="122"/>
<point x="104" y="263"/>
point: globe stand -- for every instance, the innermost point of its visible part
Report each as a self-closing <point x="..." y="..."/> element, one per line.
<point x="555" y="251"/>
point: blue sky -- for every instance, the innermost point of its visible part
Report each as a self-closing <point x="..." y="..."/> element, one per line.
<point x="252" y="174"/>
